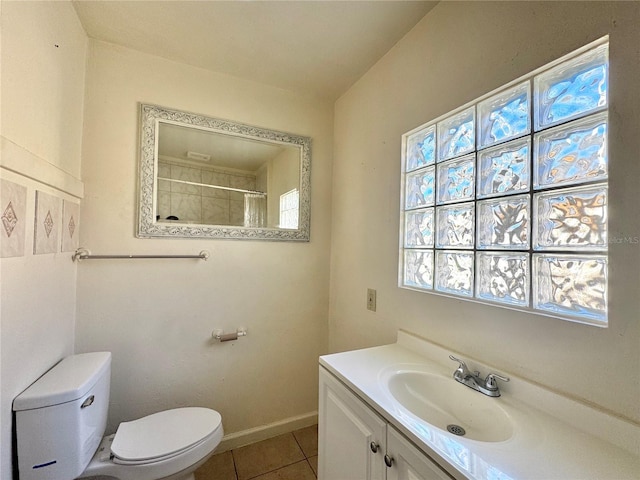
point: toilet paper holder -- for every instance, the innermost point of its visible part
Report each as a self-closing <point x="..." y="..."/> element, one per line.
<point x="218" y="334"/>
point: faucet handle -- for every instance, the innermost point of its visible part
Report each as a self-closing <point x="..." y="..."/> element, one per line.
<point x="490" y="381"/>
<point x="462" y="364"/>
<point x="462" y="368"/>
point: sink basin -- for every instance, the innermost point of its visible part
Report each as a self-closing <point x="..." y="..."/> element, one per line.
<point x="443" y="402"/>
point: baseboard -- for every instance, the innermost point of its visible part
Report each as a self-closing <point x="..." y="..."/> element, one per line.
<point x="257" y="434"/>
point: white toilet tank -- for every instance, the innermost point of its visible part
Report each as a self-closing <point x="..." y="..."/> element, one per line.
<point x="62" y="416"/>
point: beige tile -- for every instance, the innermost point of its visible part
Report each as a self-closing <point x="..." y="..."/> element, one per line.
<point x="266" y="456"/>
<point x="218" y="467"/>
<point x="307" y="438"/>
<point x="70" y="225"/>
<point x="48" y="223"/>
<point x="313" y="461"/>
<point x="13" y="213"/>
<point x="297" y="471"/>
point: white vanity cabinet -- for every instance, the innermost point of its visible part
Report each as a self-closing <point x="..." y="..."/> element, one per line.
<point x="409" y="463"/>
<point x="352" y="438"/>
<point x="355" y="443"/>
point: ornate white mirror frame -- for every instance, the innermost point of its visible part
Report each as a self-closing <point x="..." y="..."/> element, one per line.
<point x="149" y="223"/>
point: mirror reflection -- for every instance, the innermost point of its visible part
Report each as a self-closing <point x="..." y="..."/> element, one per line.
<point x="210" y="178"/>
<point x="205" y="177"/>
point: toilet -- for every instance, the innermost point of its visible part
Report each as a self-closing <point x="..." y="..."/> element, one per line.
<point x="62" y="417"/>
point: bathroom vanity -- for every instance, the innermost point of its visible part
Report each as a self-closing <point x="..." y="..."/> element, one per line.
<point x="384" y="414"/>
<point x="359" y="443"/>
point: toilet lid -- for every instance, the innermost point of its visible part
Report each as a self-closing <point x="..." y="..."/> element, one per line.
<point x="164" y="433"/>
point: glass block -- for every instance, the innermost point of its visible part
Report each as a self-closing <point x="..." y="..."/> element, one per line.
<point x="504" y="116"/>
<point x="456" y="134"/>
<point x="456" y="180"/>
<point x="454" y="272"/>
<point x="420" y="188"/>
<point x="418" y="229"/>
<point x="421" y="149"/>
<point x="572" y="89"/>
<point x="571" y="219"/>
<point x="504" y="169"/>
<point x="503" y="277"/>
<point x="571" y="284"/>
<point x="418" y="269"/>
<point x="503" y="223"/>
<point x="571" y="153"/>
<point x="455" y="225"/>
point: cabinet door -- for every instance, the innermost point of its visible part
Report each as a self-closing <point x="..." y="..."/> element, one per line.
<point x="409" y="463"/>
<point x="348" y="434"/>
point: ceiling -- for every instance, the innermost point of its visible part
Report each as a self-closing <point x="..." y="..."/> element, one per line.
<point x="317" y="48"/>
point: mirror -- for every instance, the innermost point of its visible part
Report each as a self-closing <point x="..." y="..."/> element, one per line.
<point x="206" y="177"/>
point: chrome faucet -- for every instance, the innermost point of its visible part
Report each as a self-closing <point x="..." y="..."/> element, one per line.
<point x="488" y="386"/>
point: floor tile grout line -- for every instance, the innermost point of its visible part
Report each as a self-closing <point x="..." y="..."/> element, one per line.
<point x="300" y="446"/>
<point x="311" y="467"/>
<point x="280" y="468"/>
<point x="305" y="458"/>
<point x="305" y="454"/>
<point x="235" y="468"/>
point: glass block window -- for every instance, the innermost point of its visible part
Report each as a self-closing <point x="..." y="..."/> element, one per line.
<point x="505" y="199"/>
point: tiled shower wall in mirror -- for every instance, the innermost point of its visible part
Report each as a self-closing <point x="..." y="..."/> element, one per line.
<point x="203" y="205"/>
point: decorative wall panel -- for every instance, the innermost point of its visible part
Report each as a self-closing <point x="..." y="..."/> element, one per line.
<point x="48" y="223"/>
<point x="13" y="212"/>
<point x="70" y="226"/>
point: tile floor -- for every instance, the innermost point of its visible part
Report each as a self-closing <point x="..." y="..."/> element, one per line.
<point x="292" y="456"/>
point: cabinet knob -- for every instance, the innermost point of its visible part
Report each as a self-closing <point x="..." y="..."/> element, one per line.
<point x="388" y="461"/>
<point x="374" y="447"/>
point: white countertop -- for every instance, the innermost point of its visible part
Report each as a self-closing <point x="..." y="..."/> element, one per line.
<point x="567" y="440"/>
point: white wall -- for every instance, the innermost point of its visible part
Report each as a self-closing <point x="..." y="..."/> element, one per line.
<point x="43" y="69"/>
<point x="459" y="52"/>
<point x="156" y="316"/>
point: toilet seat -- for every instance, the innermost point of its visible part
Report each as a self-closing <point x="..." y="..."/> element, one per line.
<point x="163" y="435"/>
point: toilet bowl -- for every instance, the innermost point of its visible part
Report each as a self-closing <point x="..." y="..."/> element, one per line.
<point x="168" y="445"/>
<point x="61" y="420"/>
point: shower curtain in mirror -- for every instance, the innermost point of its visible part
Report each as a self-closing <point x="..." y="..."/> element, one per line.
<point x="255" y="210"/>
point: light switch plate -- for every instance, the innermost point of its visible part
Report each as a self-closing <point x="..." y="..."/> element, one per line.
<point x="371" y="299"/>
